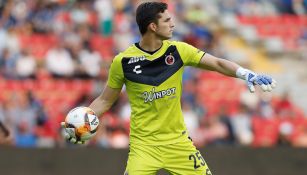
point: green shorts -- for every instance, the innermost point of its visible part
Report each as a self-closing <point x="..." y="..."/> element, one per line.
<point x="178" y="159"/>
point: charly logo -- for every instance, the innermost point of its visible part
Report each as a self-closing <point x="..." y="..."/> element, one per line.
<point x="152" y="95"/>
<point x="170" y="59"/>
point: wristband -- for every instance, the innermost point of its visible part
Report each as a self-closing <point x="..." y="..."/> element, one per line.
<point x="241" y="73"/>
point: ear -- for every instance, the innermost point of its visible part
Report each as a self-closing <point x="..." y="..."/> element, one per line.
<point x="153" y="27"/>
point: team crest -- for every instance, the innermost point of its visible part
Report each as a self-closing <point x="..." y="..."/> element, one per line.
<point x="170" y="59"/>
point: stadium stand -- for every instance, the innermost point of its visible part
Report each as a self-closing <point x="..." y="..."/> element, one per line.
<point x="235" y="31"/>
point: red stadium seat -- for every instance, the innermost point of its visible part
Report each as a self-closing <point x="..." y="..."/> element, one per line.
<point x="290" y="20"/>
<point x="266" y="131"/>
<point x="271" y="21"/>
<point x="214" y="86"/>
<point x="104" y="45"/>
<point x="39" y="44"/>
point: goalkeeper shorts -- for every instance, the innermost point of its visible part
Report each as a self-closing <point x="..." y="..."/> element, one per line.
<point x="178" y="159"/>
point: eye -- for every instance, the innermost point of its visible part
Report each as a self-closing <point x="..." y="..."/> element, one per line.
<point x="167" y="19"/>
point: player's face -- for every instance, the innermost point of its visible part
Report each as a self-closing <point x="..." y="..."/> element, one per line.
<point x="165" y="26"/>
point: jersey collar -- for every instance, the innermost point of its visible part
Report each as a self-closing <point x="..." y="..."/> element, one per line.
<point x="137" y="45"/>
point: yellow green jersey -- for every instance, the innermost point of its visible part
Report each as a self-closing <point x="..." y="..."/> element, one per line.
<point x="154" y="87"/>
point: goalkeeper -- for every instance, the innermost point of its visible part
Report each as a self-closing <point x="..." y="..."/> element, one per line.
<point x="152" y="73"/>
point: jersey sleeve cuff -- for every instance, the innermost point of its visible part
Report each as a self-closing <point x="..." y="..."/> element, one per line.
<point x="199" y="56"/>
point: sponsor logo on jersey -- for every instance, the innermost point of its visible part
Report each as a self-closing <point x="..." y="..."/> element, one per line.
<point x="153" y="95"/>
<point x="169" y="59"/>
<point x="136" y="59"/>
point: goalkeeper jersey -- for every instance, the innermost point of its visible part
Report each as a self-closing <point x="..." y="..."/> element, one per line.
<point x="154" y="87"/>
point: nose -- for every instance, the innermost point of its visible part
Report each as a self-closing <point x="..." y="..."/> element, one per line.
<point x="172" y="25"/>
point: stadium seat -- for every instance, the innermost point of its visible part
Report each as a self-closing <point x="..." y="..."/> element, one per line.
<point x="266" y="131"/>
<point x="269" y="27"/>
<point x="104" y="45"/>
<point x="38" y="44"/>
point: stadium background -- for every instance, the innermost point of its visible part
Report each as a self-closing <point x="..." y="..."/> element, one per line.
<point x="55" y="55"/>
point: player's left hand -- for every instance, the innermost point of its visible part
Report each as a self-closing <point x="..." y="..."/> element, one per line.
<point x="68" y="137"/>
<point x="265" y="82"/>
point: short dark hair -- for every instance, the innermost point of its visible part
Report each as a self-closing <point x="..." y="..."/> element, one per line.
<point x="147" y="13"/>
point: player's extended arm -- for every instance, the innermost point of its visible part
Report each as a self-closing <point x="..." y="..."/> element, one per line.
<point x="100" y="105"/>
<point x="232" y="69"/>
<point x="105" y="100"/>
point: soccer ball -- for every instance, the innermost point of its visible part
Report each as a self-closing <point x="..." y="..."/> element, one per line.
<point x="81" y="123"/>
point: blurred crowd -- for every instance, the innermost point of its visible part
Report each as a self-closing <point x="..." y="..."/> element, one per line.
<point x="55" y="54"/>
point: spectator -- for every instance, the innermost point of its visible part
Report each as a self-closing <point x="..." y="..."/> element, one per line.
<point x="123" y="31"/>
<point x="249" y="100"/>
<point x="78" y="22"/>
<point x="43" y="16"/>
<point x="105" y="16"/>
<point x="224" y="117"/>
<point x="7" y="20"/>
<point x="265" y="130"/>
<point x="80" y="13"/>
<point x="90" y="62"/>
<point x="59" y="62"/>
<point x="102" y="138"/>
<point x="241" y="123"/>
<point x="190" y="119"/>
<point x="284" y="107"/>
<point x="3" y="37"/>
<point x="8" y="64"/>
<point x="26" y="65"/>
<point x="26" y="118"/>
<point x="24" y="137"/>
<point x="119" y="139"/>
<point x="265" y="107"/>
<point x="299" y="137"/>
<point x="216" y="131"/>
<point x="12" y="40"/>
<point x="44" y="134"/>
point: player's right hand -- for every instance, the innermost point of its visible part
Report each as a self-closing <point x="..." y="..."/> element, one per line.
<point x="68" y="137"/>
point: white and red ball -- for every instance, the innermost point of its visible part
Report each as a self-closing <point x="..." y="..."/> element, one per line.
<point x="81" y="123"/>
